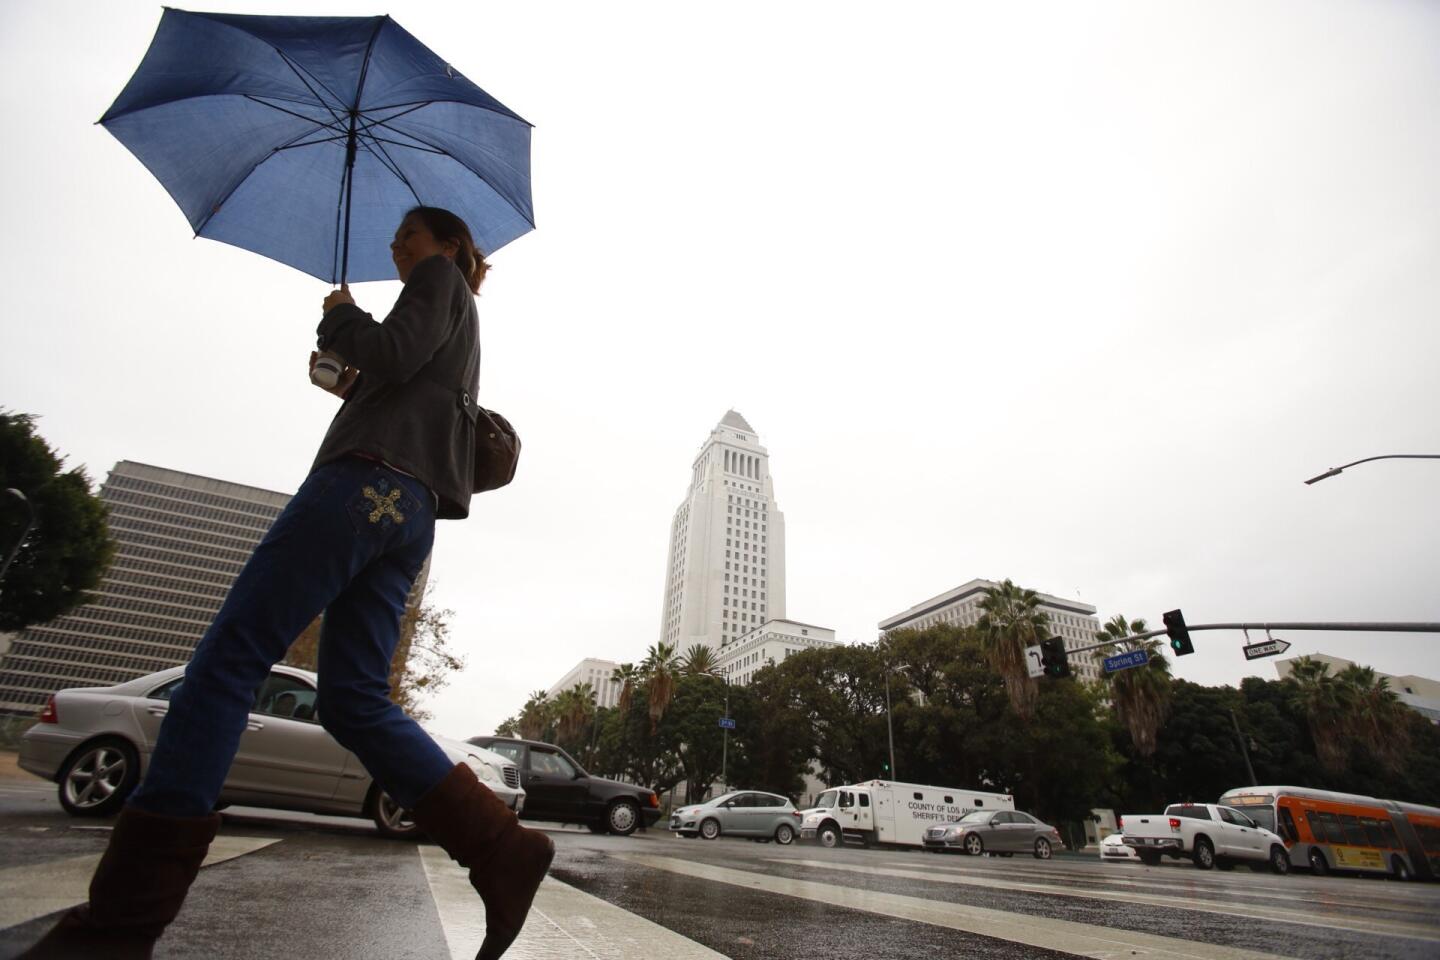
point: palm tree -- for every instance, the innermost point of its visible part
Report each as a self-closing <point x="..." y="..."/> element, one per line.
<point x="700" y="661"/>
<point x="573" y="707"/>
<point x="535" y="716"/>
<point x="1326" y="704"/>
<point x="661" y="668"/>
<point x="1141" y="695"/>
<point x="1377" y="719"/>
<point x="1010" y="621"/>
<point x="628" y="676"/>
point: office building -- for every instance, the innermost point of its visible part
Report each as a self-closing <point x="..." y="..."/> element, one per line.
<point x="180" y="542"/>
<point x="594" y="672"/>
<point x="772" y="643"/>
<point x="1070" y="619"/>
<point x="725" y="573"/>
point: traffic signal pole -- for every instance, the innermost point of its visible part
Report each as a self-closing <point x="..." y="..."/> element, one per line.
<point x="1341" y="627"/>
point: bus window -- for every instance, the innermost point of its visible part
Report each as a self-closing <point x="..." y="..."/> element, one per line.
<point x="1326" y="827"/>
<point x="1373" y="833"/>
<point x="1287" y="825"/>
<point x="1353" y="831"/>
<point x="1429" y="837"/>
<point x="1392" y="839"/>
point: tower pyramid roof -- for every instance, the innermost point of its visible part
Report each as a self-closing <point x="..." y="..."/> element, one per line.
<point x="733" y="419"/>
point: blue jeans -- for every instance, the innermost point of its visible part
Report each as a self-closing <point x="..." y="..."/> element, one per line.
<point x="351" y="543"/>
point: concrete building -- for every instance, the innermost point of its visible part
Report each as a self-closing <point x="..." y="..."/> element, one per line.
<point x="1420" y="694"/>
<point x="725" y="572"/>
<point x="594" y="672"/>
<point x="773" y="642"/>
<point x="1071" y="619"/>
<point x="180" y="542"/>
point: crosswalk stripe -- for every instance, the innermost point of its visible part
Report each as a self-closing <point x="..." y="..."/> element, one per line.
<point x="37" y="889"/>
<point x="1393" y="928"/>
<point x="1064" y="936"/>
<point x="564" y="923"/>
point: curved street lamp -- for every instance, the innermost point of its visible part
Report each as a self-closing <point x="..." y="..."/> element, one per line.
<point x="1389" y="456"/>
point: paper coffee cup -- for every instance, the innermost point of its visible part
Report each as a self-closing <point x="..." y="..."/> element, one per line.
<point x="327" y="370"/>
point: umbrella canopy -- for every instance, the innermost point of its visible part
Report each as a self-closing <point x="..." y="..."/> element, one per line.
<point x="305" y="139"/>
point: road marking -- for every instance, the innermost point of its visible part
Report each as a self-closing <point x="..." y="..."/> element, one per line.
<point x="1064" y="936"/>
<point x="39" y="888"/>
<point x="1353" y="924"/>
<point x="564" y="923"/>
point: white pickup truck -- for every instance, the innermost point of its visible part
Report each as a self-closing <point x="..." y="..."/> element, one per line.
<point x="1206" y="833"/>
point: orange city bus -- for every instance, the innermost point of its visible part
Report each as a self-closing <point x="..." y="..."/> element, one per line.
<point x="1342" y="831"/>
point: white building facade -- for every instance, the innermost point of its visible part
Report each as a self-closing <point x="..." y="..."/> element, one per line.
<point x="595" y="672"/>
<point x="1074" y="621"/>
<point x="725" y="570"/>
<point x="773" y="642"/>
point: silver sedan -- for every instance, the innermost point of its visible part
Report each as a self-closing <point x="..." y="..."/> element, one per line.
<point x="1005" y="832"/>
<point x="96" y="741"/>
<point x="742" y="813"/>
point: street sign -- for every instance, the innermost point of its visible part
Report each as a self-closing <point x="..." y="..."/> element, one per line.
<point x="1267" y="648"/>
<point x="727" y="723"/>
<point x="1124" y="661"/>
<point x="1035" y="661"/>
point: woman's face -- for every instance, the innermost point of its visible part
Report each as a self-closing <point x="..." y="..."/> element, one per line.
<point x="414" y="242"/>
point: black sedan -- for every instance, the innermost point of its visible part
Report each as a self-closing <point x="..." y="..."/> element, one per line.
<point x="558" y="789"/>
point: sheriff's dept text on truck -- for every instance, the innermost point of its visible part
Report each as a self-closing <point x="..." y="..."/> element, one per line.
<point x="879" y="811"/>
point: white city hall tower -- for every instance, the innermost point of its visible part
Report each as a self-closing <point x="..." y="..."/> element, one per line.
<point x="726" y="569"/>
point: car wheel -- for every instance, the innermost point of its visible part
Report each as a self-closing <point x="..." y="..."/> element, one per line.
<point x="1042" y="849"/>
<point x="391" y="820"/>
<point x="1279" y="859"/>
<point x="1399" y="869"/>
<point x="1204" y="854"/>
<point x="98" y="778"/>
<point x="623" y="817"/>
<point x="784" y="834"/>
<point x="974" y="845"/>
<point x="830" y="836"/>
<point x="1149" y="859"/>
<point x="710" y="829"/>
<point x="1318" y="866"/>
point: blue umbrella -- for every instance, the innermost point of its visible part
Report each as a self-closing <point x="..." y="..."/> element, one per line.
<point x="305" y="139"/>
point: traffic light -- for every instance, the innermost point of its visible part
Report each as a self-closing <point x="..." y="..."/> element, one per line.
<point x="1179" y="635"/>
<point x="1054" y="658"/>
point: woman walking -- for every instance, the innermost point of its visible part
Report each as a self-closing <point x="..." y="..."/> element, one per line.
<point x="397" y="457"/>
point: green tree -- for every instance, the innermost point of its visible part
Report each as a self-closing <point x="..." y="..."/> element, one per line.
<point x="628" y="676"/>
<point x="509" y="727"/>
<point x="699" y="660"/>
<point x="1140" y="695"/>
<point x="661" y="669"/>
<point x="67" y="549"/>
<point x="1377" y="720"/>
<point x="1327" y="706"/>
<point x="572" y="709"/>
<point x="1010" y="621"/>
<point x="537" y="718"/>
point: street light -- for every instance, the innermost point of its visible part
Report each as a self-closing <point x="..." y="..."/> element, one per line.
<point x="29" y="524"/>
<point x="1389" y="456"/>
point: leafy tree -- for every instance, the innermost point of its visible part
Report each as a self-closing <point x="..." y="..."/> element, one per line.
<point x="1010" y="621"/>
<point x="67" y="549"/>
<point x="690" y="730"/>
<point x="1327" y="706"/>
<point x="628" y="676"/>
<point x="537" y="718"/>
<point x="1376" y="721"/>
<point x="660" y="669"/>
<point x="1140" y="695"/>
<point x="699" y="660"/>
<point x="509" y="727"/>
<point x="572" y="710"/>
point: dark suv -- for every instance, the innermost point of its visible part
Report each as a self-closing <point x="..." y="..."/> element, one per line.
<point x="557" y="788"/>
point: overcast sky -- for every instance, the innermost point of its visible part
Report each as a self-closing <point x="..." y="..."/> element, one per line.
<point x="1076" y="294"/>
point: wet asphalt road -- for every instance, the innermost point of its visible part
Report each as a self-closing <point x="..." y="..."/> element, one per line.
<point x="330" y="888"/>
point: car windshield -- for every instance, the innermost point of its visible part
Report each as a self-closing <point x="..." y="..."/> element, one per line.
<point x="828" y="799"/>
<point x="976" y="816"/>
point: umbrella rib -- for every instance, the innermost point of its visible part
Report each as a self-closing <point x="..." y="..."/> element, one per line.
<point x="319" y="124"/>
<point x="478" y="175"/>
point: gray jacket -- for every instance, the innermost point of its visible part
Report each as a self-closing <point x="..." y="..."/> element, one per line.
<point x="420" y="369"/>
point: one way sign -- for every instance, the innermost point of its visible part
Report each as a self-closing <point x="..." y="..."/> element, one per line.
<point x="1267" y="648"/>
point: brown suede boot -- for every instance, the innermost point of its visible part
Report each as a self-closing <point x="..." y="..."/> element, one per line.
<point x="136" y="891"/>
<point x="506" y="861"/>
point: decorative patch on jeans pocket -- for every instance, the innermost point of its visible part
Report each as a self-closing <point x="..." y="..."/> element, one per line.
<point x="382" y="503"/>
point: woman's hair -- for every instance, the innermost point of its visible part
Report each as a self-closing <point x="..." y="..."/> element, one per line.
<point x="448" y="227"/>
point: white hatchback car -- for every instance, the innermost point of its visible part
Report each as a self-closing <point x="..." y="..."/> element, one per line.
<point x="1113" y="848"/>
<point x="96" y="741"/>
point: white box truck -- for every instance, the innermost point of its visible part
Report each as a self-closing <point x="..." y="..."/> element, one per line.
<point x="884" y="812"/>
